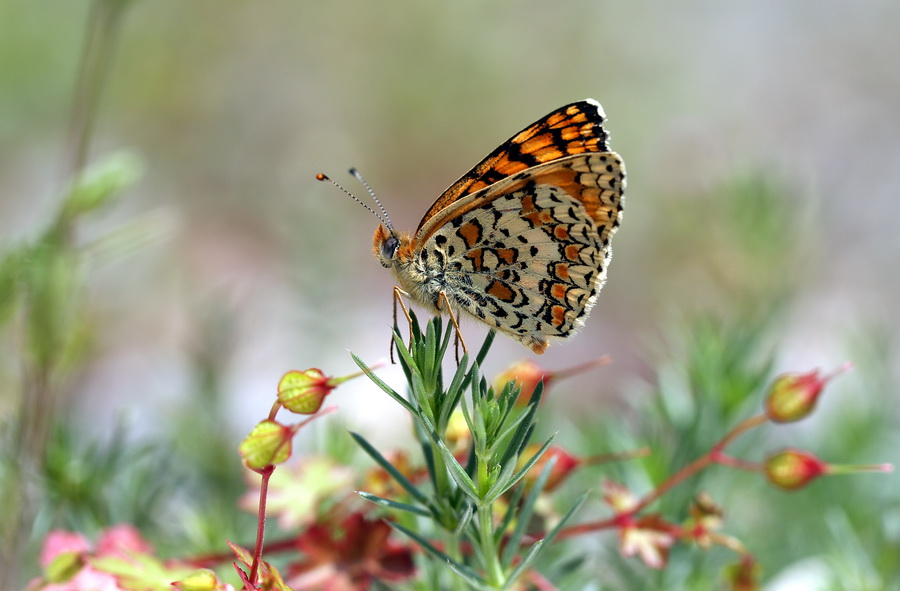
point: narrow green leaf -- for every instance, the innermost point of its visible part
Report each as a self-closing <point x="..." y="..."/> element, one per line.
<point x="477" y="426"/>
<point x="378" y="382"/>
<point x="501" y="487"/>
<point x="476" y="585"/>
<point x="454" y="392"/>
<point x="520" y="439"/>
<point x="506" y="400"/>
<point x="524" y="516"/>
<point x="537" y="393"/>
<point x="403" y="351"/>
<point x="446" y="342"/>
<point x="462" y="570"/>
<point x="457" y="472"/>
<point x="397" y="343"/>
<point x="506" y="432"/>
<point x="464" y="519"/>
<point x="525" y="564"/>
<point x="430" y="345"/>
<point x="565" y="518"/>
<point x="395" y="474"/>
<point x="471" y="462"/>
<point x="538" y="546"/>
<point x="416" y="327"/>
<point x="427" y="452"/>
<point x="500" y="483"/>
<point x="395" y="505"/>
<point x="479" y="358"/>
<point x="512" y="511"/>
<point x="423" y="395"/>
<point x="467" y="415"/>
<point x="485" y="347"/>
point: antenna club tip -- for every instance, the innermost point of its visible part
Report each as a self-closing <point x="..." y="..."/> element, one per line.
<point x="322" y="177"/>
<point x="354" y="172"/>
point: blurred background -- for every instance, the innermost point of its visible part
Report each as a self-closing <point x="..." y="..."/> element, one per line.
<point x="760" y="139"/>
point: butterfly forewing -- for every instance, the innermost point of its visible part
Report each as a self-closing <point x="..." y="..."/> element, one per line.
<point x="573" y="129"/>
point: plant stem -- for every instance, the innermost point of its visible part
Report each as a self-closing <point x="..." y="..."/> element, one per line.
<point x="266" y="473"/>
<point x="715" y="455"/>
<point x="492" y="566"/>
<point x="96" y="58"/>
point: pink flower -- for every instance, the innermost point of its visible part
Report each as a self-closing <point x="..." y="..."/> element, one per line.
<point x="59" y="541"/>
<point x="649" y="538"/>
<point x="121" y="560"/>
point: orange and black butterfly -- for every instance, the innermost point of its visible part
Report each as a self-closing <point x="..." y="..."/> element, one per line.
<point x="522" y="241"/>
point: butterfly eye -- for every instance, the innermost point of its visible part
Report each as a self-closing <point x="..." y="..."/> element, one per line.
<point x="389" y="248"/>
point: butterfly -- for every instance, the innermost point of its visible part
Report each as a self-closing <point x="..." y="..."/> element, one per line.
<point x="522" y="241"/>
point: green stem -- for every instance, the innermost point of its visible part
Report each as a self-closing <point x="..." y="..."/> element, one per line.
<point x="489" y="555"/>
<point x="453" y="550"/>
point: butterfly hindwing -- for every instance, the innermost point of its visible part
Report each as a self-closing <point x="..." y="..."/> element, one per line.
<point x="528" y="254"/>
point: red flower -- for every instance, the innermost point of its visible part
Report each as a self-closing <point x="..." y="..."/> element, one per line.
<point x="350" y="560"/>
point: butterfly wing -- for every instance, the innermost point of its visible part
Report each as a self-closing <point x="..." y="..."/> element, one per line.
<point x="576" y="128"/>
<point x="528" y="254"/>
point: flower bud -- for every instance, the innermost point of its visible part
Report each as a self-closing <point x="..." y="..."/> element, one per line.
<point x="527" y="374"/>
<point x="793" y="396"/>
<point x="268" y="443"/>
<point x="792" y="469"/>
<point x="303" y="392"/>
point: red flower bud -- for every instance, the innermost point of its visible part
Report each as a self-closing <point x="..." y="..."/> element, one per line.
<point x="793" y="396"/>
<point x="792" y="469"/>
<point x="268" y="443"/>
<point x="303" y="392"/>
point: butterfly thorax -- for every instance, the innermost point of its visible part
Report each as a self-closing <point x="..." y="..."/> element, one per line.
<point x="420" y="276"/>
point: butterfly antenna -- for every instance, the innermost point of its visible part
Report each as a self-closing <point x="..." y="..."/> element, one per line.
<point x="322" y="177"/>
<point x="360" y="178"/>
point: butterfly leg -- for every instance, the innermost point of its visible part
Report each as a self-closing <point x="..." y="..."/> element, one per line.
<point x="459" y="338"/>
<point x="398" y="299"/>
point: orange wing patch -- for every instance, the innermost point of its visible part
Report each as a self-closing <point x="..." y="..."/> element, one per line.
<point x="573" y="129"/>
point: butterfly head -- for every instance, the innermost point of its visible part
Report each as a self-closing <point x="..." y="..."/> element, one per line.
<point x="387" y="244"/>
